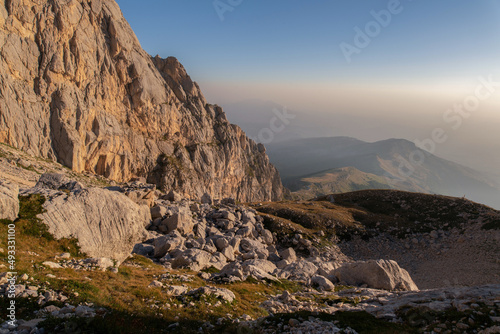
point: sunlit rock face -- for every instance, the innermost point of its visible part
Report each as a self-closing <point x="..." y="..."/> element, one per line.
<point x="76" y="87"/>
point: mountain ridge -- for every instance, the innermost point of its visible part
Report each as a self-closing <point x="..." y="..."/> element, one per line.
<point x="389" y="159"/>
<point x="97" y="102"/>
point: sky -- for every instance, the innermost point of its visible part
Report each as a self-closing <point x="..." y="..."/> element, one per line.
<point x="369" y="69"/>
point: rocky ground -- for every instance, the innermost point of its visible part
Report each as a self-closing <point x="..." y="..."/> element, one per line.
<point x="99" y="256"/>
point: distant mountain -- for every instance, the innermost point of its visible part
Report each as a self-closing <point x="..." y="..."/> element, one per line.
<point x="315" y="166"/>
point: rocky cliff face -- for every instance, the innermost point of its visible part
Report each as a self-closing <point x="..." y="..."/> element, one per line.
<point x="76" y="87"/>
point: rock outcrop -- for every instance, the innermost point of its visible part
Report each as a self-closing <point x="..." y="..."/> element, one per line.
<point x="9" y="204"/>
<point x="106" y="223"/>
<point x="76" y="87"/>
<point x="377" y="274"/>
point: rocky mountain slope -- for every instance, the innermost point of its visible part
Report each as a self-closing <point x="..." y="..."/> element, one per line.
<point x="216" y="266"/>
<point x="310" y="165"/>
<point x="77" y="87"/>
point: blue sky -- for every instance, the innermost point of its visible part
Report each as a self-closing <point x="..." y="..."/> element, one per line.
<point x="427" y="59"/>
<point x="296" y="40"/>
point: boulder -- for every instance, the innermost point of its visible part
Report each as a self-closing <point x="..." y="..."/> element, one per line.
<point x="197" y="260"/>
<point x="56" y="181"/>
<point x="267" y="236"/>
<point x="264" y="265"/>
<point x="51" y="265"/>
<point x="167" y="243"/>
<point x="258" y="269"/>
<point x="106" y="223"/>
<point x="175" y="290"/>
<point x="221" y="293"/>
<point x="248" y="246"/>
<point x="377" y="274"/>
<point x="322" y="283"/>
<point x="9" y="202"/>
<point x="300" y="270"/>
<point x="289" y="255"/>
<point x="173" y="196"/>
<point x="158" y="211"/>
<point x="143" y="249"/>
<point x="155" y="284"/>
<point x="180" y="221"/>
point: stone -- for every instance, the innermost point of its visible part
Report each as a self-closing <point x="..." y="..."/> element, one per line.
<point x="322" y="283"/>
<point x="181" y="222"/>
<point x="57" y="181"/>
<point x="173" y="196"/>
<point x="224" y="294"/>
<point x="377" y="274"/>
<point x="168" y="243"/>
<point x="158" y="212"/>
<point x="175" y="290"/>
<point x="155" y="284"/>
<point x="52" y="265"/>
<point x="145" y="250"/>
<point x="289" y="255"/>
<point x="300" y="270"/>
<point x="264" y="265"/>
<point x="267" y="236"/>
<point x="221" y="243"/>
<point x="195" y="259"/>
<point x="9" y="203"/>
<point x="106" y="223"/>
<point x="248" y="245"/>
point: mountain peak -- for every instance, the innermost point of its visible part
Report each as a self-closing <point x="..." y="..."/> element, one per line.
<point x="97" y="102"/>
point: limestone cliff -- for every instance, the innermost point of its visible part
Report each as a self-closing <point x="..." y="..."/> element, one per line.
<point x="76" y="87"/>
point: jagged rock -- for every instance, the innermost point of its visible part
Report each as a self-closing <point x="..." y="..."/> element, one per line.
<point x="106" y="223"/>
<point x="56" y="181"/>
<point x="155" y="284"/>
<point x="236" y="271"/>
<point x="167" y="243"/>
<point x="52" y="265"/>
<point x="224" y="294"/>
<point x="9" y="203"/>
<point x="78" y="88"/>
<point x="300" y="270"/>
<point x="252" y="246"/>
<point x="181" y="222"/>
<point x="173" y="196"/>
<point x="322" y="283"/>
<point x="289" y="255"/>
<point x="158" y="211"/>
<point x="144" y="250"/>
<point x="264" y="265"/>
<point x="377" y="274"/>
<point x="267" y="236"/>
<point x="197" y="260"/>
<point x="175" y="290"/>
